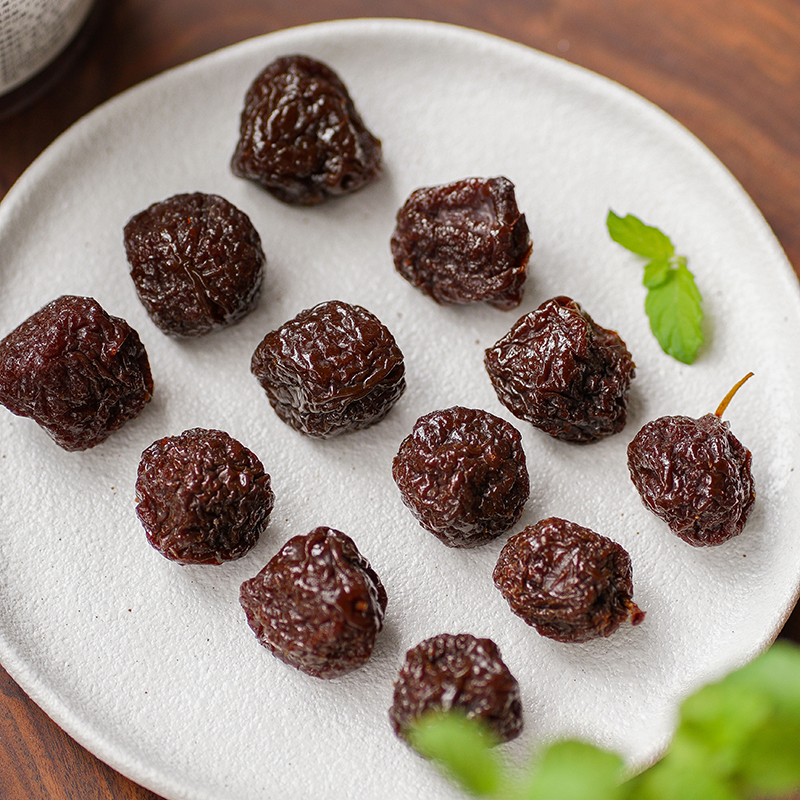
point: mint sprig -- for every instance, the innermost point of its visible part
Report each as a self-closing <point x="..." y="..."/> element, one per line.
<point x="737" y="739"/>
<point x="463" y="749"/>
<point x="673" y="302"/>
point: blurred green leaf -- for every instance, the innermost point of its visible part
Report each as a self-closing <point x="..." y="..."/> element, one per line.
<point x="463" y="748"/>
<point x="771" y="765"/>
<point x="722" y="721"/>
<point x="775" y="673"/>
<point x="656" y="272"/>
<point x="572" y="770"/>
<point x="737" y="739"/>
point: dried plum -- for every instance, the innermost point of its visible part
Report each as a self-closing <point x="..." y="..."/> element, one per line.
<point x="567" y="581"/>
<point x="464" y="242"/>
<point x="196" y="262"/>
<point x="202" y="497"/>
<point x="300" y="135"/>
<point x="457" y="673"/>
<point x="695" y="475"/>
<point x="462" y="474"/>
<point x="333" y="368"/>
<point x="317" y="605"/>
<point x="563" y="373"/>
<point x="77" y="371"/>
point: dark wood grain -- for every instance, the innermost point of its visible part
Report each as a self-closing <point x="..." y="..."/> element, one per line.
<point x="729" y="71"/>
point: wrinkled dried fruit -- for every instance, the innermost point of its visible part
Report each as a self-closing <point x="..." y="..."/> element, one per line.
<point x="563" y="373"/>
<point x="317" y="605"/>
<point x="695" y="475"/>
<point x="77" y="371"/>
<point x="462" y="673"/>
<point x="300" y="135"/>
<point x="464" y="242"/>
<point x="202" y="497"/>
<point x="462" y="474"/>
<point x="331" y="369"/>
<point x="568" y="582"/>
<point x="196" y="262"/>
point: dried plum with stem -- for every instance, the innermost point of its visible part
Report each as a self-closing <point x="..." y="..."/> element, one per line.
<point x="464" y="242"/>
<point x="333" y="368"/>
<point x="567" y="581"/>
<point x="462" y="474"/>
<point x="76" y="370"/>
<point x="300" y="135"/>
<point x="562" y="372"/>
<point x="202" y="497"/>
<point x="695" y="475"/>
<point x="317" y="605"/>
<point x="196" y="262"/>
<point x="457" y="672"/>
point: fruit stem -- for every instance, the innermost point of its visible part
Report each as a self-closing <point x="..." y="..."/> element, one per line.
<point x="728" y="397"/>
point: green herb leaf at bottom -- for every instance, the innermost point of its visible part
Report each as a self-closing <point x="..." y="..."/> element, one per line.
<point x="462" y="748"/>
<point x="573" y="770"/>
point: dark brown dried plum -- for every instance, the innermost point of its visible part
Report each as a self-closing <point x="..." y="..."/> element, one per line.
<point x="196" y="262"/>
<point x="331" y="369"/>
<point x="457" y="673"/>
<point x="464" y="242"/>
<point x="202" y="497"/>
<point x="300" y="135"/>
<point x="317" y="605"/>
<point x="77" y="371"/>
<point x="695" y="475"/>
<point x="462" y="474"/>
<point x="563" y="373"/>
<point x="568" y="582"/>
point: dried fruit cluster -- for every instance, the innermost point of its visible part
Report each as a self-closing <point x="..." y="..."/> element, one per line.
<point x="204" y="498"/>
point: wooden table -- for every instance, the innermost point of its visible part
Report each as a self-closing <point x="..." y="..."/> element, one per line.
<point x="729" y="71"/>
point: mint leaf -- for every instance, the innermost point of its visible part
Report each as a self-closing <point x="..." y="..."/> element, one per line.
<point x="656" y="272"/>
<point x="673" y="304"/>
<point x="775" y="674"/>
<point x="771" y="764"/>
<point x="571" y="770"/>
<point x="634" y="235"/>
<point x="462" y="748"/>
<point x="737" y="739"/>
<point x="724" y="720"/>
<point x="673" y="308"/>
<point x="683" y="773"/>
<point x="770" y="758"/>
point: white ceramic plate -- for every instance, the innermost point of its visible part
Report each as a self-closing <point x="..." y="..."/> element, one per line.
<point x="151" y="665"/>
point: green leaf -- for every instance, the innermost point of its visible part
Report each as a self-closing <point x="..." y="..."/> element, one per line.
<point x="634" y="235"/>
<point x="673" y="308"/>
<point x="774" y="673"/>
<point x="656" y="272"/>
<point x="737" y="739"/>
<point x="723" y="718"/>
<point x="462" y="748"/>
<point x="673" y="302"/>
<point x="759" y="705"/>
<point x="683" y="774"/>
<point x="771" y="763"/>
<point x="720" y="724"/>
<point x="572" y="770"/>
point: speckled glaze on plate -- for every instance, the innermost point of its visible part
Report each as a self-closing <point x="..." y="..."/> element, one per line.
<point x="151" y="665"/>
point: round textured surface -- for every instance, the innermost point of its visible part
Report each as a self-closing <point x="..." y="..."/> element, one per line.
<point x="152" y="665"/>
